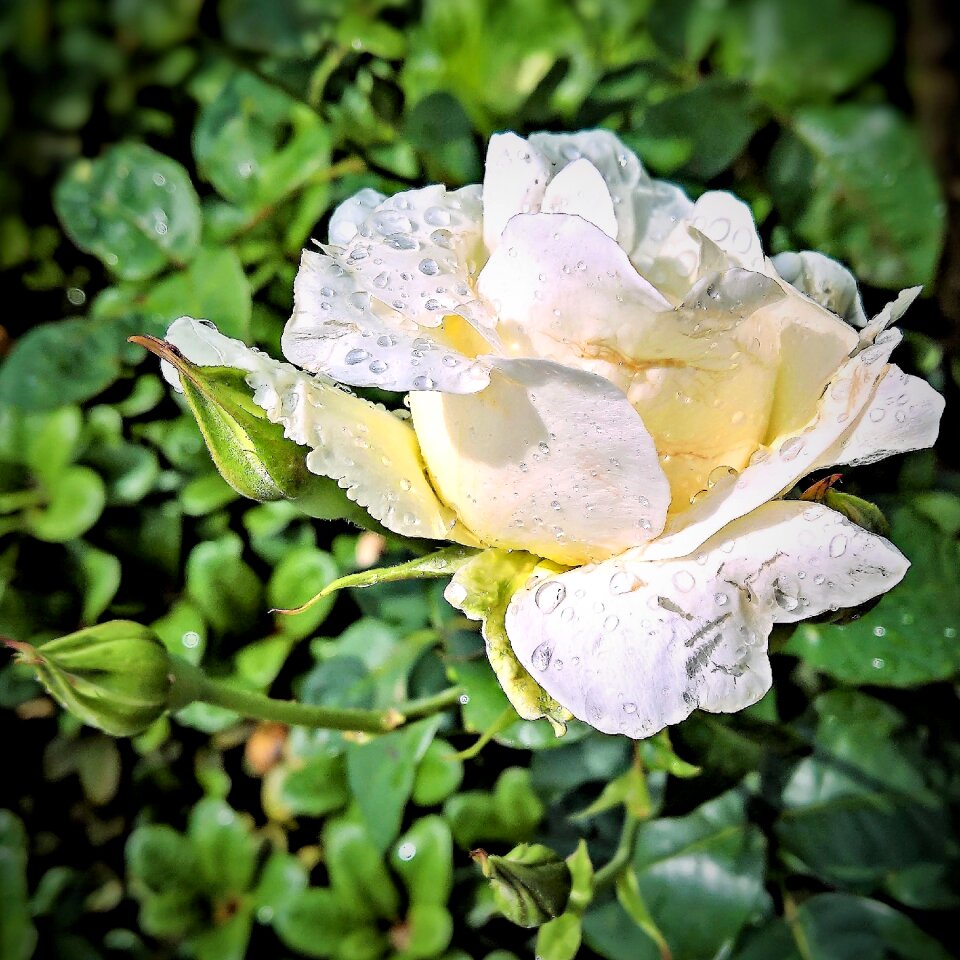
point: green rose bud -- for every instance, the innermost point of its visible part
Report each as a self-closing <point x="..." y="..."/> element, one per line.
<point x="531" y="884"/>
<point x="116" y="676"/>
<point x="250" y="452"/>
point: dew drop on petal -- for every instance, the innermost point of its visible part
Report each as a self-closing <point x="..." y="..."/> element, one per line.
<point x="549" y="596"/>
<point x="355" y="356"/>
<point x="684" y="580"/>
<point x="838" y="546"/>
<point x="541" y="656"/>
<point x="429" y="267"/>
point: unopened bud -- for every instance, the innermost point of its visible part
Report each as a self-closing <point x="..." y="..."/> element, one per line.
<point x="116" y="676"/>
<point x="531" y="884"/>
<point x="251" y="453"/>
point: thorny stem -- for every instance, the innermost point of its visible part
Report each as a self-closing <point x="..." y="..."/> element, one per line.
<point x="191" y="684"/>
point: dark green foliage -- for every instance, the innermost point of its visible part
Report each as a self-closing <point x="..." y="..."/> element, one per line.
<point x="173" y="157"/>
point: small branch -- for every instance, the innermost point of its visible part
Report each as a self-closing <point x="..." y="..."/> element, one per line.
<point x="196" y="686"/>
<point x="607" y="875"/>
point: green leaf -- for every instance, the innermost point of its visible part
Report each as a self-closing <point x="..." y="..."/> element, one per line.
<point x="775" y="46"/>
<point x="836" y="926"/>
<point x="285" y="28"/>
<point x="302" y="573"/>
<point x="854" y="182"/>
<point x="381" y="774"/>
<point x="100" y="578"/>
<point x="132" y="207"/>
<point x="256" y="144"/>
<point x="483" y="588"/>
<point x="42" y="373"/>
<point x="701" y="878"/>
<point x="357" y="872"/>
<point x="18" y="937"/>
<point x="75" y="500"/>
<point x="910" y="637"/>
<point x="313" y="787"/>
<point x="709" y="125"/>
<point x="159" y="24"/>
<point x="423" y="859"/>
<point x="213" y="287"/>
<point x="223" y="586"/>
<point x="859" y="811"/>
<point x="162" y="860"/>
<point x="313" y="922"/>
<point x="430" y="929"/>
<point x="226" y="850"/>
<point x="439" y="774"/>
<point x="559" y="939"/>
<point x="510" y="813"/>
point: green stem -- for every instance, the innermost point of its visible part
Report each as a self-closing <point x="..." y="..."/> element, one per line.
<point x="20" y="500"/>
<point x="609" y="872"/>
<point x="192" y="684"/>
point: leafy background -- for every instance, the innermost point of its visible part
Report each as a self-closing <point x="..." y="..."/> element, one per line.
<point x="173" y="157"/>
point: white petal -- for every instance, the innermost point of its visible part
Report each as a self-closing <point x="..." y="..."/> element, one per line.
<point x="546" y="459"/>
<point x="630" y="646"/>
<point x="351" y="213"/>
<point x="728" y="222"/>
<point x="903" y="414"/>
<point x="774" y="471"/>
<point x="825" y="281"/>
<point x="563" y="290"/>
<point x="518" y="171"/>
<point x="339" y="329"/>
<point x="685" y="257"/>
<point x="889" y="315"/>
<point x="514" y="180"/>
<point x="579" y="189"/>
<point x="371" y="453"/>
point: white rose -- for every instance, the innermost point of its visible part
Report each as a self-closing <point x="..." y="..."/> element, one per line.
<point x="613" y="379"/>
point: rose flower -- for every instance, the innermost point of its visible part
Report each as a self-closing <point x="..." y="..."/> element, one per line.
<point x="611" y="390"/>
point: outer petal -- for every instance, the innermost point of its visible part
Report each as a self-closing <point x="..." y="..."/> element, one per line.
<point x="903" y="414"/>
<point x="631" y="646"/>
<point x="771" y="472"/>
<point x="580" y="189"/>
<point x="396" y="307"/>
<point x="728" y="222"/>
<point x="518" y="171"/>
<point x="546" y="459"/>
<point x="371" y="453"/>
<point x="349" y="216"/>
<point x="825" y="281"/>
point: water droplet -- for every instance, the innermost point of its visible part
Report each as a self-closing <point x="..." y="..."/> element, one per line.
<point x="783" y="597"/>
<point x="381" y="280"/>
<point x="556" y="505"/>
<point x="629" y="707"/>
<point x="878" y="663"/>
<point x="543" y="448"/>
<point x="423" y="383"/>
<point x="877" y="414"/>
<point x="611" y="623"/>
<point x="684" y="580"/>
<point x="879" y="631"/>
<point x="720" y="473"/>
<point x="623" y="582"/>
<point x="540" y="658"/>
<point x="378" y="366"/>
<point x="355" y="356"/>
<point x="721" y="599"/>
<point x="407" y="851"/>
<point x="433" y="304"/>
<point x="400" y="241"/>
<point x="191" y="640"/>
<point x="549" y="595"/>
<point x="429" y="267"/>
<point x="838" y="545"/>
<point x="464" y="698"/>
<point x="792" y="448"/>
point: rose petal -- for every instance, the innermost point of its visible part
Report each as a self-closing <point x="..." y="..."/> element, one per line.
<point x="340" y="329"/>
<point x="580" y="190"/>
<point x="728" y="222"/>
<point x="825" y="281"/>
<point x="562" y="288"/>
<point x="774" y="471"/>
<point x="903" y="414"/>
<point x="889" y="315"/>
<point x="518" y="171"/>
<point x="349" y="215"/>
<point x="631" y="646"/>
<point x="371" y="453"/>
<point x="546" y="459"/>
